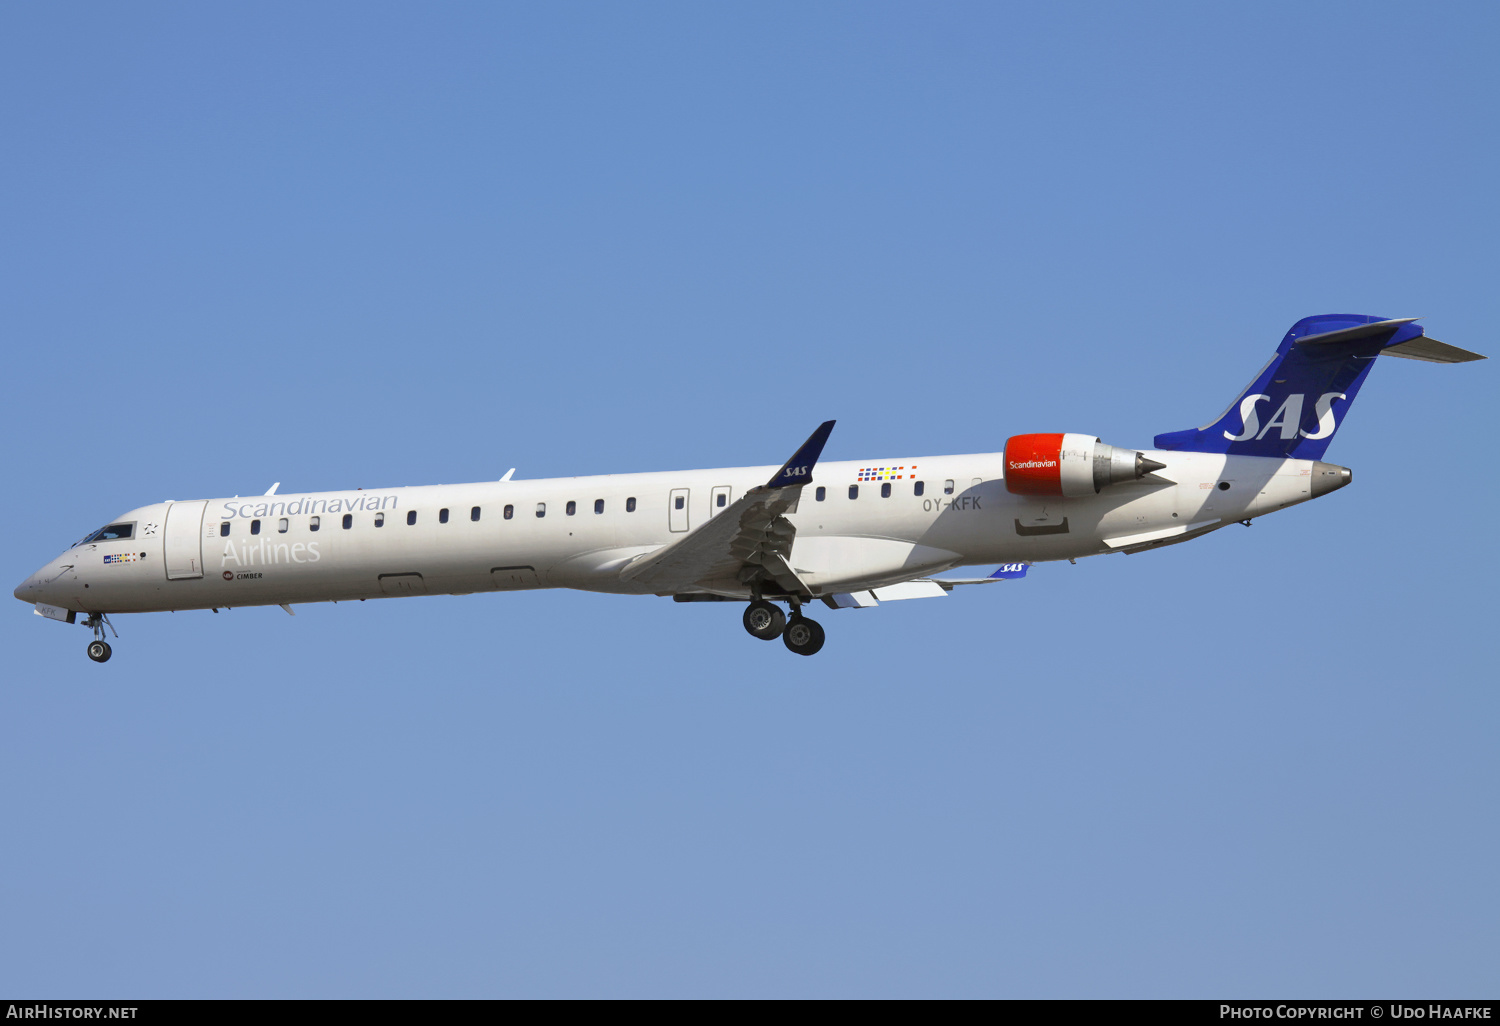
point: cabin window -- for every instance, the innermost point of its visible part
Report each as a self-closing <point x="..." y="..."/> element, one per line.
<point x="948" y="487"/>
<point x="919" y="488"/>
<point x="854" y="491"/>
<point x="680" y="501"/>
<point x="598" y="505"/>
<point x="474" y="514"/>
<point x="541" y="510"/>
<point x="570" y="508"/>
<point x="255" y="527"/>
<point x="224" y="529"/>
<point x="348" y="521"/>
<point x="411" y="517"/>
<point x="379" y="519"/>
<point x="443" y="515"/>
<point x="821" y="493"/>
<point x="630" y="504"/>
<point x="885" y="490"/>
<point x="723" y="500"/>
<point x="508" y="512"/>
<point x="282" y="525"/>
<point x="313" y="523"/>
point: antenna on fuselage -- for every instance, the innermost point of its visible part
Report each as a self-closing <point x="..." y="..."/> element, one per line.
<point x="272" y="490"/>
<point x="509" y="472"/>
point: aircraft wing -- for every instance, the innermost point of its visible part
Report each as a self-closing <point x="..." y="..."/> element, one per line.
<point x="919" y="587"/>
<point x="748" y="540"/>
<point x="1006" y="572"/>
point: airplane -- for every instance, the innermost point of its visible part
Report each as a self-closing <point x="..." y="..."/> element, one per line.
<point x="851" y="534"/>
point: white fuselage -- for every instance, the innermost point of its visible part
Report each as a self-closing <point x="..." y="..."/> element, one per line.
<point x="296" y="548"/>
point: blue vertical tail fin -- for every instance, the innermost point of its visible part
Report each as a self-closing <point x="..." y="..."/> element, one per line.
<point x="1297" y="402"/>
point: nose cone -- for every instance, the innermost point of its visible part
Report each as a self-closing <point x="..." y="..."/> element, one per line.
<point x="26" y="589"/>
<point x="1329" y="477"/>
<point x="34" y="589"/>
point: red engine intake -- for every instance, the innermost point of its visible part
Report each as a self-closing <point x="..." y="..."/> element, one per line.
<point x="1033" y="464"/>
<point x="1069" y="465"/>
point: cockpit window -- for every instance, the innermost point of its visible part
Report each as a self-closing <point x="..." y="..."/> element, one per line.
<point x="114" y="532"/>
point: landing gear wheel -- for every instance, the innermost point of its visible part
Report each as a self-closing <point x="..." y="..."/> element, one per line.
<point x="802" y="635"/>
<point x="764" y="620"/>
<point x="99" y="651"/>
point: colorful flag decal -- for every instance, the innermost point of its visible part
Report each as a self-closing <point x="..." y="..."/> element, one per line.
<point x="885" y="473"/>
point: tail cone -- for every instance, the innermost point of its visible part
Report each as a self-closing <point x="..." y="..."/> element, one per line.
<point x="1329" y="477"/>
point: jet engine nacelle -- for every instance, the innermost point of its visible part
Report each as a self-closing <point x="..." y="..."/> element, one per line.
<point x="1069" y="465"/>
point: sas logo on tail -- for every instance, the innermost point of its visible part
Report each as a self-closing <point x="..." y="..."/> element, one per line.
<point x="1288" y="417"/>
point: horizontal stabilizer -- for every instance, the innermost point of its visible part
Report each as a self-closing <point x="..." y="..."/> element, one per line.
<point x="1356" y="333"/>
<point x="1431" y="350"/>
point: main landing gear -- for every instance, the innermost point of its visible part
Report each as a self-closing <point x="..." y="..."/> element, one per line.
<point x="99" y="650"/>
<point x="766" y="621"/>
<point x="803" y="636"/>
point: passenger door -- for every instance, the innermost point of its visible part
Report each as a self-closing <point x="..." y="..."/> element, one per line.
<point x="677" y="509"/>
<point x="184" y="540"/>
<point x="720" y="498"/>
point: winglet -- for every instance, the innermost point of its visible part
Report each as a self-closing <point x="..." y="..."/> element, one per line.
<point x="1010" y="572"/>
<point x="798" y="469"/>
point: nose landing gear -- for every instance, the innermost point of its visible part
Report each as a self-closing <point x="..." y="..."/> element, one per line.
<point x="99" y="650"/>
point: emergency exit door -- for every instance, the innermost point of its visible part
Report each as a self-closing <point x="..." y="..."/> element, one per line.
<point x="184" y="540"/>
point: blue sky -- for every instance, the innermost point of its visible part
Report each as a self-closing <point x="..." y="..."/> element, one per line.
<point x="343" y="245"/>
